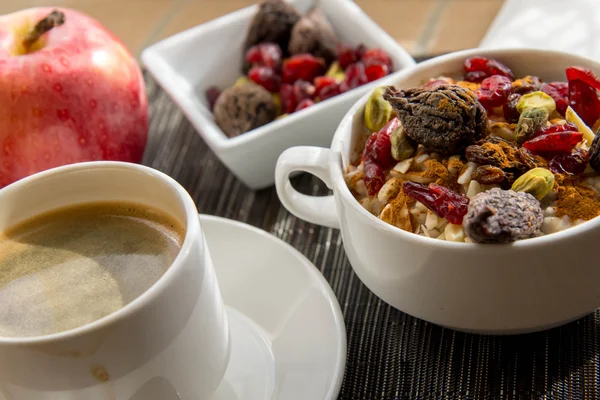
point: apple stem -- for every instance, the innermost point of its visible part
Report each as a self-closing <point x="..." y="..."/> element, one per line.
<point x="54" y="19"/>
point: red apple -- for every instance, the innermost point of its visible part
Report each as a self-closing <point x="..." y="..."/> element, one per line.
<point x="75" y="94"/>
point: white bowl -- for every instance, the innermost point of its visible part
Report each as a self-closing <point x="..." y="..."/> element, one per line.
<point x="525" y="286"/>
<point x="186" y="64"/>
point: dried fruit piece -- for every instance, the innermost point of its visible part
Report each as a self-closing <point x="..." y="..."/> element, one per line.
<point x="335" y="71"/>
<point x="570" y="164"/>
<point x="304" y="104"/>
<point x="554" y="143"/>
<point x="488" y="175"/>
<point x="243" y="108"/>
<point x="594" y="154"/>
<point x="382" y="146"/>
<point x="478" y="68"/>
<point x="212" y="94"/>
<point x="509" y="108"/>
<point x="503" y="216"/>
<point x="377" y="111"/>
<point x="349" y="55"/>
<point x="266" y="54"/>
<point x="355" y="75"/>
<point x="272" y="23"/>
<point x="559" y="91"/>
<point x="376" y="71"/>
<point x="556" y="128"/>
<point x="538" y="182"/>
<point x="494" y="91"/>
<point x="584" y="99"/>
<point x="303" y="90"/>
<point x="314" y="34"/>
<point x="403" y="147"/>
<point x="530" y="121"/>
<point x="536" y="100"/>
<point x="573" y="118"/>
<point x="376" y="56"/>
<point x="302" y="66"/>
<point x="583" y="74"/>
<point x="442" y="201"/>
<point x="288" y="98"/>
<point x="445" y="119"/>
<point x="323" y="86"/>
<point x="527" y="85"/>
<point x="265" y="77"/>
<point x="374" y="176"/>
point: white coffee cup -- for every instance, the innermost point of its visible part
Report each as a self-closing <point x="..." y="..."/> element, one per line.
<point x="172" y="341"/>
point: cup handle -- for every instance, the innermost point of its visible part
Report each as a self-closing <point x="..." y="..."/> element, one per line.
<point x="319" y="210"/>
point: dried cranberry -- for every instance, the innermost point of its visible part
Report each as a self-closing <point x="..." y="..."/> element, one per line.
<point x="583" y="74"/>
<point x="484" y="68"/>
<point x="494" y="91"/>
<point x="376" y="71"/>
<point x="355" y="75"/>
<point x="376" y="56"/>
<point x="303" y="90"/>
<point x="212" y="94"/>
<point x="439" y="199"/>
<point x="326" y="87"/>
<point x="288" y="99"/>
<point x="584" y="100"/>
<point x="267" y="54"/>
<point x="368" y="150"/>
<point x="304" y="104"/>
<point x="382" y="145"/>
<point x="374" y="176"/>
<point x="347" y="55"/>
<point x="302" y="66"/>
<point x="511" y="115"/>
<point x="556" y="128"/>
<point x="265" y="77"/>
<point x="570" y="164"/>
<point x="559" y="91"/>
<point x="554" y="143"/>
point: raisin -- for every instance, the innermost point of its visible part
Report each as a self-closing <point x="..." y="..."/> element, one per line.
<point x="554" y="143"/>
<point x="511" y="115"/>
<point x="532" y="84"/>
<point x="488" y="175"/>
<point x="439" y="199"/>
<point x="594" y="153"/>
<point x="556" y="128"/>
<point x="374" y="176"/>
<point x="570" y="164"/>
<point x="559" y="91"/>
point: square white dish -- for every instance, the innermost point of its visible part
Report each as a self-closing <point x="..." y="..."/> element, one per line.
<point x="188" y="63"/>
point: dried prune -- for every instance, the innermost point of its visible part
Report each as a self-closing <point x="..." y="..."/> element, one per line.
<point x="445" y="118"/>
<point x="314" y="34"/>
<point x="488" y="175"/>
<point x="503" y="216"/>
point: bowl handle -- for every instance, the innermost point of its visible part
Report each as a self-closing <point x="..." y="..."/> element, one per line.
<point x="319" y="210"/>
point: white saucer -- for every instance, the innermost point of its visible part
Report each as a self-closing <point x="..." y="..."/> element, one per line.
<point x="287" y="330"/>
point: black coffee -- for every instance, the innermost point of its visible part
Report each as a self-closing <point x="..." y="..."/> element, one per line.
<point x="72" y="266"/>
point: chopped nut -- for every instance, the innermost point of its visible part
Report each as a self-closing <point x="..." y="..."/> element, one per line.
<point x="538" y="182"/>
<point x="503" y="216"/>
<point x="396" y="212"/>
<point x="446" y="118"/>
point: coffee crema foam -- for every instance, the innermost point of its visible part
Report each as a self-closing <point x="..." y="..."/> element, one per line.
<point x="72" y="266"/>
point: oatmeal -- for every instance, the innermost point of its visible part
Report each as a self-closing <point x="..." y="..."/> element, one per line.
<point x="485" y="158"/>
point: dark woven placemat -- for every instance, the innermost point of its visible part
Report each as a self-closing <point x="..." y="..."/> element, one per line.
<point x="390" y="354"/>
